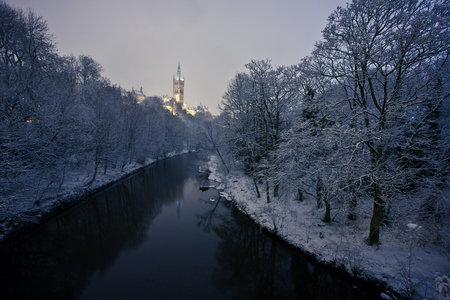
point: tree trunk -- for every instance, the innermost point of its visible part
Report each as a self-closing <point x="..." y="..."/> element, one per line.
<point x="97" y="154"/>
<point x="378" y="205"/>
<point x="106" y="166"/>
<point x="221" y="158"/>
<point x="95" y="173"/>
<point x="256" y="188"/>
<point x="276" y="190"/>
<point x="353" y="203"/>
<point x="319" y="192"/>
<point x="327" y="218"/>
<point x="299" y="195"/>
<point x="62" y="180"/>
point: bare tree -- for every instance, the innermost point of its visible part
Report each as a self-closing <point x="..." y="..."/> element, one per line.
<point x="379" y="53"/>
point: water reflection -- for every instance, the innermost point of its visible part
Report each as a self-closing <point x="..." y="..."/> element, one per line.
<point x="57" y="260"/>
<point x="157" y="236"/>
<point x="254" y="265"/>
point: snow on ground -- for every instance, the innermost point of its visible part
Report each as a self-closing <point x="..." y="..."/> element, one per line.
<point x="22" y="210"/>
<point x="299" y="223"/>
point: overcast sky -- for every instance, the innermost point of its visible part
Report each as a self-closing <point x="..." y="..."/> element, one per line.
<point x="140" y="42"/>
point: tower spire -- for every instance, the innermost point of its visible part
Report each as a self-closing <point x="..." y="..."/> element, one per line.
<point x="179" y="76"/>
<point x="178" y="86"/>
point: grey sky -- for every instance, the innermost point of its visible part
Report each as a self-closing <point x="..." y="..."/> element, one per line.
<point x="140" y="42"/>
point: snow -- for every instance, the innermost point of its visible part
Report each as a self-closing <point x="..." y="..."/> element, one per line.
<point x="299" y="223"/>
<point x="226" y="196"/>
<point x="442" y="287"/>
<point x="21" y="212"/>
<point x="386" y="297"/>
<point x="413" y="226"/>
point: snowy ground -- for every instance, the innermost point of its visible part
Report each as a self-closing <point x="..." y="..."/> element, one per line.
<point x="22" y="211"/>
<point x="299" y="223"/>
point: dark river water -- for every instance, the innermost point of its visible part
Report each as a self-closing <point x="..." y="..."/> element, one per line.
<point x="156" y="235"/>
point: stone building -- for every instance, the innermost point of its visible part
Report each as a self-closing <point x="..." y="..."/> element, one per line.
<point x="178" y="87"/>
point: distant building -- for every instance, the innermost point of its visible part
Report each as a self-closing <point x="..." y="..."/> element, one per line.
<point x="177" y="101"/>
<point x="178" y="86"/>
<point x="140" y="96"/>
<point x="168" y="103"/>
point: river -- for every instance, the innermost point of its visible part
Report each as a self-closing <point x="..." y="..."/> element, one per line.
<point x="156" y="235"/>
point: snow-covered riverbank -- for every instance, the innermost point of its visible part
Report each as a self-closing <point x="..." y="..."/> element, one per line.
<point x="23" y="211"/>
<point x="300" y="224"/>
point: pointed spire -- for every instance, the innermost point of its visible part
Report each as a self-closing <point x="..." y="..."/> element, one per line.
<point x="179" y="77"/>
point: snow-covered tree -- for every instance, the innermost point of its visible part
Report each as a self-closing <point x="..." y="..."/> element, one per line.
<point x="58" y="115"/>
<point x="256" y="108"/>
<point x="381" y="60"/>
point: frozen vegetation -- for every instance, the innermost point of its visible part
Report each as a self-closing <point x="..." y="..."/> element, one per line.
<point x="402" y="265"/>
<point x="344" y="155"/>
<point x="66" y="131"/>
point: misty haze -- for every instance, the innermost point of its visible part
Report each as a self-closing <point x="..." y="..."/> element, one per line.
<point x="153" y="149"/>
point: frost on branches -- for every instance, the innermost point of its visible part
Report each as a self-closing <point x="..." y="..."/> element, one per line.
<point x="360" y="128"/>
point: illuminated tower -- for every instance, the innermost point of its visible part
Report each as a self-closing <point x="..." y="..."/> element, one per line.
<point x="178" y="86"/>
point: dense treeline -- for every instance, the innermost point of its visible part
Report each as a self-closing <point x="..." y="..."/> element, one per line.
<point x="60" y="119"/>
<point x="361" y="126"/>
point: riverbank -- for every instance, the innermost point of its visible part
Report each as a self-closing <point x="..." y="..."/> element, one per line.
<point x="343" y="246"/>
<point x="21" y="214"/>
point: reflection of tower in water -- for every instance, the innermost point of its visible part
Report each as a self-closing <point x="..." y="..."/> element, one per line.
<point x="179" y="204"/>
<point x="177" y="197"/>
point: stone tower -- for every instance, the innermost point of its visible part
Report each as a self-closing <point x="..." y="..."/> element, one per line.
<point x="178" y="86"/>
